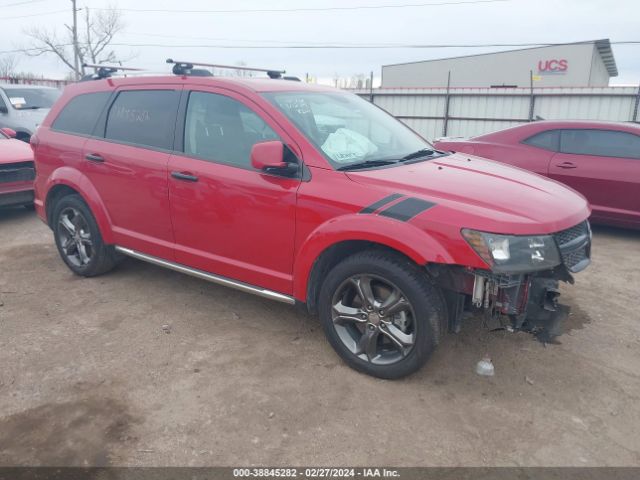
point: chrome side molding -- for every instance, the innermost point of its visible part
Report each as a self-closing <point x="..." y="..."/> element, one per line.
<point x="210" y="277"/>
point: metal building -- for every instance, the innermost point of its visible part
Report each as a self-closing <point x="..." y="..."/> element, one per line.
<point x="582" y="64"/>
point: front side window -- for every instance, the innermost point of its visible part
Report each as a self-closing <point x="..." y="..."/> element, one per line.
<point x="221" y="129"/>
<point x="549" y="140"/>
<point x="31" y="98"/>
<point x="80" y="115"/>
<point x="601" y="143"/>
<point x="346" y="128"/>
<point x="144" y="117"/>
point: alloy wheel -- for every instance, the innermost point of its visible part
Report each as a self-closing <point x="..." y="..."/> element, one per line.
<point x="374" y="319"/>
<point x="74" y="237"/>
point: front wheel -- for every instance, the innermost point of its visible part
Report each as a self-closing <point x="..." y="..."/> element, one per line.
<point x="381" y="314"/>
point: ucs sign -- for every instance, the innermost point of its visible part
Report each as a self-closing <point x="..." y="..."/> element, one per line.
<point x="552" y="66"/>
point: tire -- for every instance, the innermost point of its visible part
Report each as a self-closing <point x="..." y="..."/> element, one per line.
<point x="411" y="327"/>
<point x="71" y="214"/>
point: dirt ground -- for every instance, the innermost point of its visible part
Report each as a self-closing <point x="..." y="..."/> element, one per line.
<point x="89" y="377"/>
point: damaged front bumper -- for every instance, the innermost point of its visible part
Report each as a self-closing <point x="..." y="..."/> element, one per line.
<point x="526" y="301"/>
<point x="523" y="302"/>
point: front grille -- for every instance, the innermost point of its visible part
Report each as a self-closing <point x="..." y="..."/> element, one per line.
<point x="575" y="246"/>
<point x="572" y="233"/>
<point x="17" y="172"/>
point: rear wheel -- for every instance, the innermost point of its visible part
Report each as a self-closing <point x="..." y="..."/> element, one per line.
<point x="79" y="240"/>
<point x="381" y="314"/>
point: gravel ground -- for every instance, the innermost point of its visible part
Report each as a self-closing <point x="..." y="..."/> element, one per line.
<point x="89" y="377"/>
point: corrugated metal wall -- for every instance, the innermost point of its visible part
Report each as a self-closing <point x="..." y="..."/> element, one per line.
<point x="474" y="111"/>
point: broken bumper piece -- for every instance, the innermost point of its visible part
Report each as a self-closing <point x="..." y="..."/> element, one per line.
<point x="544" y="316"/>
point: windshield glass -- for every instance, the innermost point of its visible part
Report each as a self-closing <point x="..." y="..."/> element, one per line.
<point x="34" y="98"/>
<point x="347" y="128"/>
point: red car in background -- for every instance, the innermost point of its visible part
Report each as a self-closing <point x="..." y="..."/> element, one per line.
<point x="16" y="170"/>
<point x="601" y="160"/>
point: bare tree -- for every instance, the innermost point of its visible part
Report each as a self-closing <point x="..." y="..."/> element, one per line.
<point x="8" y="65"/>
<point x="94" y="38"/>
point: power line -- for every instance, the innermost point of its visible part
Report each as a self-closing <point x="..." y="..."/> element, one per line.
<point x="367" y="46"/>
<point x="305" y="44"/>
<point x="20" y="3"/>
<point x="337" y="46"/>
<point x="284" y="42"/>
<point x="34" y="14"/>
<point x="312" y="9"/>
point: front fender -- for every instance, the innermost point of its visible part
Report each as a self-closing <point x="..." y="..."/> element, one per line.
<point x="76" y="180"/>
<point x="406" y="238"/>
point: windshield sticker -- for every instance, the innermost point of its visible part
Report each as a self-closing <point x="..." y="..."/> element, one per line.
<point x="17" y="101"/>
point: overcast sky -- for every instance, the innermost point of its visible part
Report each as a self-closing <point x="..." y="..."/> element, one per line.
<point x="511" y="21"/>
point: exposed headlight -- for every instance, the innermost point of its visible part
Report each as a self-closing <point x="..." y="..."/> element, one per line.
<point x="514" y="253"/>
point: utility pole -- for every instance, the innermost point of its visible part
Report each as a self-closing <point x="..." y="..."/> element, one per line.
<point x="76" y="56"/>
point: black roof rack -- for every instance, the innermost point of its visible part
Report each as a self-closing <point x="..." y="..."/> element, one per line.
<point x="105" y="71"/>
<point x="181" y="67"/>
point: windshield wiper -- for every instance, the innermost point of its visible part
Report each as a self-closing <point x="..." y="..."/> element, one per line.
<point x="424" y="152"/>
<point x="367" y="164"/>
<point x="35" y="107"/>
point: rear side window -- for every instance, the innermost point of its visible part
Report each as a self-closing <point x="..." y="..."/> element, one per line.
<point x="601" y="143"/>
<point x="144" y="117"/>
<point x="549" y="140"/>
<point x="80" y="115"/>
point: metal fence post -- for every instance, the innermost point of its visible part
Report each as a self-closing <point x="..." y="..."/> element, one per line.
<point x="445" y="125"/>
<point x="532" y="98"/>
<point x="634" y="118"/>
<point x="371" y="87"/>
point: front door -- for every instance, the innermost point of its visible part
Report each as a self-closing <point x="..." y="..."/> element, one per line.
<point x="228" y="218"/>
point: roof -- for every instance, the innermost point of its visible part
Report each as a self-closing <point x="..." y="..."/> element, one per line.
<point x="604" y="49"/>
<point x="542" y="125"/>
<point x="253" y="84"/>
<point x="603" y="46"/>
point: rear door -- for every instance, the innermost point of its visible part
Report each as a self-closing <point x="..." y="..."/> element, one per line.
<point x="229" y="218"/>
<point x="603" y="165"/>
<point x="128" y="166"/>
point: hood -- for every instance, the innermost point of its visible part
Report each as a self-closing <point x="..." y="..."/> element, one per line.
<point x="477" y="193"/>
<point x="12" y="150"/>
<point x="28" y="119"/>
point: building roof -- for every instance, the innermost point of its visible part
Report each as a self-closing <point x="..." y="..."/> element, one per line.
<point x="603" y="46"/>
<point x="604" y="49"/>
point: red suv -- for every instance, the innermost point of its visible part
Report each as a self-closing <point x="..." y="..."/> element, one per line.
<point x="309" y="196"/>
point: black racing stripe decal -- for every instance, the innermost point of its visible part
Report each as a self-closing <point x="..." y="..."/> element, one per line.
<point x="407" y="209"/>
<point x="380" y="203"/>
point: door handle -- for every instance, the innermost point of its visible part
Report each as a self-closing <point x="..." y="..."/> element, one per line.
<point x="566" y="165"/>
<point x="184" y="176"/>
<point x="94" y="157"/>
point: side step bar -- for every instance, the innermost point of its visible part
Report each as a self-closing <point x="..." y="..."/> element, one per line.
<point x="245" y="287"/>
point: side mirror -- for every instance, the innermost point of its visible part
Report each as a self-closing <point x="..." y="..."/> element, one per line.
<point x="269" y="157"/>
<point x="9" y="132"/>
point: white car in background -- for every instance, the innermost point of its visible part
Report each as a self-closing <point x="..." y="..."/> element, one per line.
<point x="23" y="107"/>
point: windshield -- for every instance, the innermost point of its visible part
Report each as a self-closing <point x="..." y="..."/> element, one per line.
<point x="31" y="98"/>
<point x="346" y="128"/>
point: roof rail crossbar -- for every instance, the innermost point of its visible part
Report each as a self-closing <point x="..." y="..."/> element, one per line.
<point x="105" y="71"/>
<point x="182" y="67"/>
